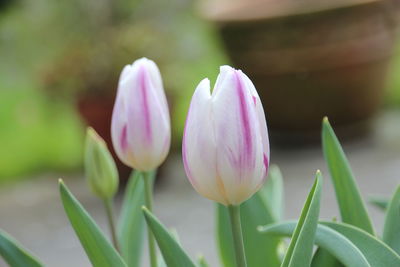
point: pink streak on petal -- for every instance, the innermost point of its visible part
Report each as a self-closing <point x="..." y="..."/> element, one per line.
<point x="124" y="138"/>
<point x="254" y="100"/>
<point x="145" y="104"/>
<point x="266" y="162"/>
<point x="266" y="165"/>
<point x="246" y="156"/>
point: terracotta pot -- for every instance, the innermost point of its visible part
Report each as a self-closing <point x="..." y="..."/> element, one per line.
<point x="309" y="60"/>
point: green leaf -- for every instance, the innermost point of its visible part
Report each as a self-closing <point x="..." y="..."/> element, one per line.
<point x="272" y="192"/>
<point x="375" y="251"/>
<point x="201" y="261"/>
<point x="174" y="234"/>
<point x="131" y="221"/>
<point x="14" y="254"/>
<point x="300" y="250"/>
<point x="391" y="229"/>
<point x="99" y="250"/>
<point x="351" y="205"/>
<point x="322" y="258"/>
<point x="379" y="202"/>
<point x="170" y="249"/>
<point x="331" y="241"/>
<point x="254" y="212"/>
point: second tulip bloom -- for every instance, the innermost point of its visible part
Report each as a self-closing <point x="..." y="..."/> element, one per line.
<point x="225" y="143"/>
<point x="140" y="127"/>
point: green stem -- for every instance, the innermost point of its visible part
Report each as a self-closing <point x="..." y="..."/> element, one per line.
<point x="148" y="184"/>
<point x="109" y="210"/>
<point x="234" y="216"/>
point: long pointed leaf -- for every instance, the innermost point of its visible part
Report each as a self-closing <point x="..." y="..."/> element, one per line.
<point x="131" y="222"/>
<point x="331" y="241"/>
<point x="98" y="249"/>
<point x="172" y="252"/>
<point x="300" y="250"/>
<point x="351" y="205"/>
<point x="391" y="230"/>
<point x="14" y="254"/>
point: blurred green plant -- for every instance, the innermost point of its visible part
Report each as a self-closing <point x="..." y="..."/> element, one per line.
<point x="70" y="47"/>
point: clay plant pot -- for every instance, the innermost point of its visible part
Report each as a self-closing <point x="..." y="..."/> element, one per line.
<point x="310" y="59"/>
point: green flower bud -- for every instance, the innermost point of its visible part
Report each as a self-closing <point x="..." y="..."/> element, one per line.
<point x="100" y="169"/>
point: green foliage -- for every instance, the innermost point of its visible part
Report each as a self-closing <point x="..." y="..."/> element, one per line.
<point x="300" y="250"/>
<point x="391" y="229"/>
<point x="328" y="240"/>
<point x="258" y="210"/>
<point x="98" y="249"/>
<point x="379" y="202"/>
<point x="375" y="251"/>
<point x="351" y="205"/>
<point x="131" y="223"/>
<point x="14" y="254"/>
<point x="172" y="252"/>
<point x="201" y="262"/>
<point x="272" y="192"/>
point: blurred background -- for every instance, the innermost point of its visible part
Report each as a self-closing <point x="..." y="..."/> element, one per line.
<point x="59" y="67"/>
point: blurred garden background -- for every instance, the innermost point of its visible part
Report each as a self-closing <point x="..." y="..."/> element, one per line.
<point x="59" y="67"/>
<point x="57" y="55"/>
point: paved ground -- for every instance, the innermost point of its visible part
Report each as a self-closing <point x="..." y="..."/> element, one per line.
<point x="31" y="211"/>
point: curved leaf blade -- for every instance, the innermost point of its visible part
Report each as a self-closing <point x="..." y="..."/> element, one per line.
<point x="172" y="252"/>
<point x="391" y="229"/>
<point x="131" y="222"/>
<point x="351" y="205"/>
<point x="14" y="254"/>
<point x="98" y="249"/>
<point x="300" y="249"/>
<point x="375" y="251"/>
<point x="333" y="242"/>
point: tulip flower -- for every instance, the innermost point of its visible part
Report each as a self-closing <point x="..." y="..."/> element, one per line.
<point x="225" y="143"/>
<point x="140" y="127"/>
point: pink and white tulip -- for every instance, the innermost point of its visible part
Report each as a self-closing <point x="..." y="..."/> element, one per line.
<point x="225" y="144"/>
<point x="140" y="126"/>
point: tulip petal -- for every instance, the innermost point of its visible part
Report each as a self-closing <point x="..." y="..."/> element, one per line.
<point x="147" y="122"/>
<point x="199" y="147"/>
<point x="239" y="151"/>
<point x="261" y="119"/>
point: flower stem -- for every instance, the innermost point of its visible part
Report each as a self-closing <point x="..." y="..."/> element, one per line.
<point x="147" y="179"/>
<point x="234" y="216"/>
<point x="109" y="210"/>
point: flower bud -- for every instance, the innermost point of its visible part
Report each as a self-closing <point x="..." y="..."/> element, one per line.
<point x="140" y="127"/>
<point x="225" y="144"/>
<point x="100" y="169"/>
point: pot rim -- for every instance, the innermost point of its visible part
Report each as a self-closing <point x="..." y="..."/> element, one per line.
<point x="209" y="10"/>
